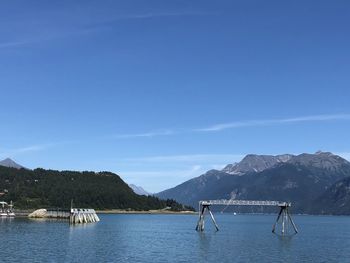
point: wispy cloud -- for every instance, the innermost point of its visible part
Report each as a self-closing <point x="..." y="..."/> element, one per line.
<point x="159" y="14"/>
<point x="205" y="158"/>
<point x="44" y="38"/>
<point x="12" y="44"/>
<point x="99" y="24"/>
<point x="146" y="134"/>
<point x="266" y="122"/>
<point x="239" y="124"/>
<point x="22" y="150"/>
<point x="211" y="158"/>
<point x="157" y="173"/>
<point x="32" y="148"/>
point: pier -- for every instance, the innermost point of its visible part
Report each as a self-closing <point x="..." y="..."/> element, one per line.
<point x="80" y="216"/>
<point x="6" y="210"/>
<point x="74" y="215"/>
<point x="281" y="226"/>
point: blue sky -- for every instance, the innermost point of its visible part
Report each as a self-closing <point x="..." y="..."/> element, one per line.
<point x="162" y="91"/>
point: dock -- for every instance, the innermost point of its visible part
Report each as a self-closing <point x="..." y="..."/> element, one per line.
<point x="80" y="216"/>
<point x="73" y="215"/>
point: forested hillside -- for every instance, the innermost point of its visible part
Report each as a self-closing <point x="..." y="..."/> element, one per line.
<point x="41" y="188"/>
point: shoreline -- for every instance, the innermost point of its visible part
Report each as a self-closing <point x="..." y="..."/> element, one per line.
<point x="154" y="212"/>
<point x="25" y="213"/>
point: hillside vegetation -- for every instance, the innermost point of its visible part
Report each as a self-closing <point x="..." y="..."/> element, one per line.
<point x="41" y="188"/>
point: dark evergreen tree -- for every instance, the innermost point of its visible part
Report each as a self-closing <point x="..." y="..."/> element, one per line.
<point x="41" y="188"/>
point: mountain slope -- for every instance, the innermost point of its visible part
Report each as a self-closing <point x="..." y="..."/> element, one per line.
<point x="41" y="188"/>
<point x="299" y="179"/>
<point x="199" y="188"/>
<point x="286" y="182"/>
<point x="10" y="163"/>
<point x="138" y="190"/>
<point x="256" y="163"/>
<point x="336" y="200"/>
<point x="325" y="163"/>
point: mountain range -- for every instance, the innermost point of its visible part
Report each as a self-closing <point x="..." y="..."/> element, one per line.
<point x="306" y="180"/>
<point x="316" y="183"/>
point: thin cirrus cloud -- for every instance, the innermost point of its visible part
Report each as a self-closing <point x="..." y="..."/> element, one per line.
<point x="267" y="122"/>
<point x="213" y="128"/>
<point x="38" y="39"/>
<point x="13" y="44"/>
<point x="240" y="124"/>
<point x="140" y="135"/>
<point x="94" y="27"/>
<point x="109" y="21"/>
<point x="32" y="148"/>
<point x="155" y="15"/>
<point x="23" y="150"/>
<point x="207" y="158"/>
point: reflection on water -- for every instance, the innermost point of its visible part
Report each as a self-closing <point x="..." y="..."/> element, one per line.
<point x="172" y="238"/>
<point x="204" y="242"/>
<point x="5" y="220"/>
<point x="285" y="242"/>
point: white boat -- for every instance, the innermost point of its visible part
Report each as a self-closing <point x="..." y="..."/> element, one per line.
<point x="6" y="210"/>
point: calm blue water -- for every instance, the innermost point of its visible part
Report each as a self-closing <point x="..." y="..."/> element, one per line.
<point x="172" y="238"/>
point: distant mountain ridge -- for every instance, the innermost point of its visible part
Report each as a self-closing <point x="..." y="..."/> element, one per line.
<point x="10" y="163"/>
<point x="256" y="163"/>
<point x="259" y="163"/>
<point x="301" y="179"/>
<point x="138" y="190"/>
<point x="322" y="160"/>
